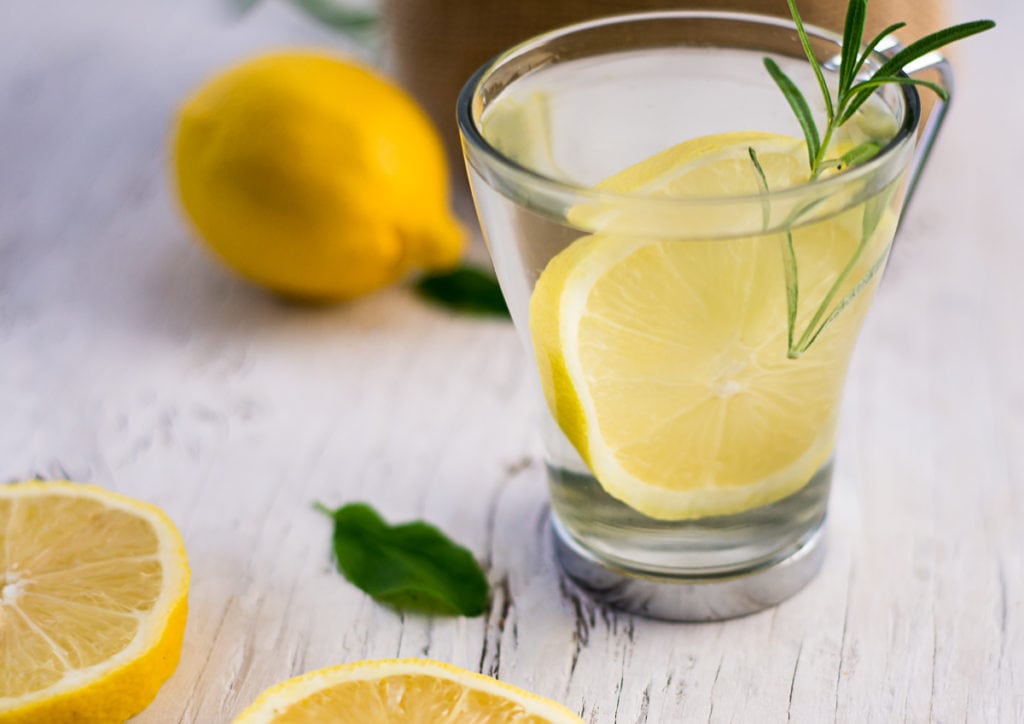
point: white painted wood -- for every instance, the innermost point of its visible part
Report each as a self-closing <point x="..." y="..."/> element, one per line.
<point x="128" y="358"/>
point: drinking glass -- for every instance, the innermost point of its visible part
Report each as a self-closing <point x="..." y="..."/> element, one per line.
<point x="691" y="347"/>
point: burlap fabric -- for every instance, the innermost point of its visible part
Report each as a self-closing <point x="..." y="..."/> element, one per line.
<point x="433" y="46"/>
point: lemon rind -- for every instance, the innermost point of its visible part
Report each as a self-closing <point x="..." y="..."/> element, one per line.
<point x="278" y="698"/>
<point x="154" y="624"/>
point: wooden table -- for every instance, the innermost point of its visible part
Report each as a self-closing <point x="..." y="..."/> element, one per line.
<point x="130" y="359"/>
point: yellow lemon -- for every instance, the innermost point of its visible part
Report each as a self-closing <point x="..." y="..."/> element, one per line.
<point x="664" y="361"/>
<point x="93" y="601"/>
<point x="314" y="177"/>
<point x="401" y="691"/>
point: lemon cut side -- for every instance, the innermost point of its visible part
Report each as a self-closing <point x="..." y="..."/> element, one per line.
<point x="401" y="691"/>
<point x="93" y="602"/>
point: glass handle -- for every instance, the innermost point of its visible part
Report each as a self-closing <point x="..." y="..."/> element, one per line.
<point x="936" y="62"/>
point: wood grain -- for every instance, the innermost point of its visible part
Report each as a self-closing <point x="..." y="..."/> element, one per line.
<point x="130" y="359"/>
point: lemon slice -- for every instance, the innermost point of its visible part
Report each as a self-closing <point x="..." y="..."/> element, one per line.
<point x="714" y="166"/>
<point x="93" y="589"/>
<point x="665" y="362"/>
<point x="401" y="691"/>
<point x="711" y="166"/>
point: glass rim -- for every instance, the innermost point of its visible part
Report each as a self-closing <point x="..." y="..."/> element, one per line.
<point x="472" y="135"/>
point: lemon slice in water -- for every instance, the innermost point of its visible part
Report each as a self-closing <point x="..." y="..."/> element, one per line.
<point x="665" y="362"/>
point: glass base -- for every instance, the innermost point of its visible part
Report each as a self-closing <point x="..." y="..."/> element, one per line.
<point x="706" y="547"/>
<point x="697" y="598"/>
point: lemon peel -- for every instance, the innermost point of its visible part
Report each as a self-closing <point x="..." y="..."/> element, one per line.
<point x="401" y="690"/>
<point x="314" y="177"/>
<point x="93" y="603"/>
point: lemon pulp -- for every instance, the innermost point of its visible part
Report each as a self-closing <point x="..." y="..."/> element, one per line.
<point x="401" y="690"/>
<point x="93" y="601"/>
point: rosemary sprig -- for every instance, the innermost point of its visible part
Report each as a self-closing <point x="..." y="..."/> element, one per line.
<point x="788" y="255"/>
<point x="851" y="93"/>
<point x="874" y="209"/>
<point x="852" y="90"/>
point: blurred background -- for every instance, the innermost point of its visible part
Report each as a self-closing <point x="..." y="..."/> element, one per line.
<point x="130" y="357"/>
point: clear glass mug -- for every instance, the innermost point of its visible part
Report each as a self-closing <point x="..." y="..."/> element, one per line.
<point x="691" y="349"/>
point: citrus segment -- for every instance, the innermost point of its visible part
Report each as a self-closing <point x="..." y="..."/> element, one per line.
<point x="93" y="601"/>
<point x="402" y="691"/>
<point x="665" y="362"/>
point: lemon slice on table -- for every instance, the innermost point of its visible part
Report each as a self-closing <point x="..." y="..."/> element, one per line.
<point x="93" y="600"/>
<point x="401" y="691"/>
<point x="665" y="362"/>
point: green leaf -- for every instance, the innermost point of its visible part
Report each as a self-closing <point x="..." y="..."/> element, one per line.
<point x="853" y="33"/>
<point x="864" y="89"/>
<point x="851" y="95"/>
<point x="792" y="281"/>
<point x="894" y="66"/>
<point x="805" y="41"/>
<point x="241" y="7"/>
<point x="859" y="154"/>
<point x="874" y="208"/>
<point x="931" y="42"/>
<point x="788" y="255"/>
<point x="468" y="289"/>
<point x="799" y="105"/>
<point x="338" y="17"/>
<point x="762" y="183"/>
<point x="844" y="302"/>
<point x="870" y="47"/>
<point x="411" y="566"/>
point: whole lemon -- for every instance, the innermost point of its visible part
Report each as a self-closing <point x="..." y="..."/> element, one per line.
<point x="314" y="177"/>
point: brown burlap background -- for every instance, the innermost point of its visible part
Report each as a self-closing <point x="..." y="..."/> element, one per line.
<point x="433" y="46"/>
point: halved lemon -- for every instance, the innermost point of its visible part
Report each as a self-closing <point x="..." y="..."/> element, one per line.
<point x="665" y="362"/>
<point x="93" y="600"/>
<point x="401" y="691"/>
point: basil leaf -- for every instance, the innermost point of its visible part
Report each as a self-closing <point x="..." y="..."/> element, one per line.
<point x="467" y="289"/>
<point x="410" y="566"/>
